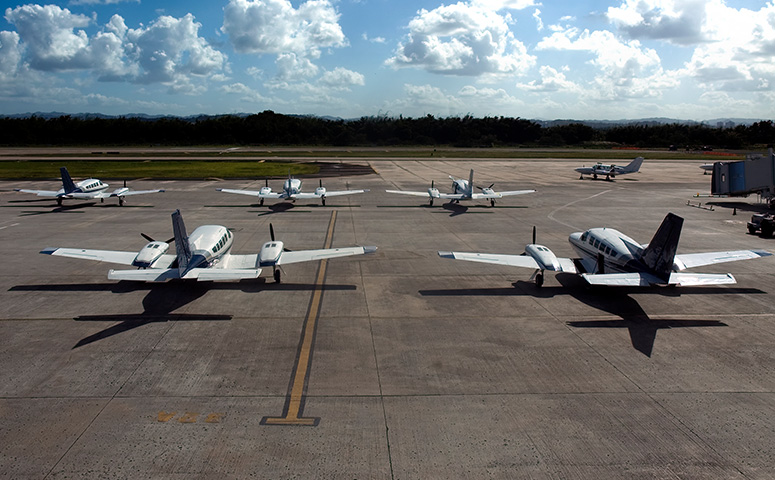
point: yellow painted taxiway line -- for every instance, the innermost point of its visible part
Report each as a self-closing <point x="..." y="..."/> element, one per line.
<point x="294" y="403"/>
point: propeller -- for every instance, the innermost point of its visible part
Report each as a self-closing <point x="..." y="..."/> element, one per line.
<point x="320" y="182"/>
<point x="148" y="237"/>
<point x="534" y="234"/>
<point x="271" y="235"/>
<point x="482" y="188"/>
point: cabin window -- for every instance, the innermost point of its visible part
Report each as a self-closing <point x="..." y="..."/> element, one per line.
<point x="215" y="248"/>
<point x="584" y="237"/>
<point x="597" y="244"/>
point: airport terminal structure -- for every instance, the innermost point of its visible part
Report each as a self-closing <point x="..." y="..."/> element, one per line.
<point x="398" y="364"/>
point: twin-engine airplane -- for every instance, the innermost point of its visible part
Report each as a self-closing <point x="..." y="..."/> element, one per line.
<point x="609" y="257"/>
<point x="463" y="190"/>
<point x="204" y="255"/>
<point x="292" y="190"/>
<point x="610" y="171"/>
<point x="89" y="189"/>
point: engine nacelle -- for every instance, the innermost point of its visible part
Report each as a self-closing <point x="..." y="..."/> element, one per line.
<point x="120" y="191"/>
<point x="545" y="258"/>
<point x="433" y="192"/>
<point x="150" y="253"/>
<point x="265" y="190"/>
<point x="269" y="254"/>
<point x="320" y="191"/>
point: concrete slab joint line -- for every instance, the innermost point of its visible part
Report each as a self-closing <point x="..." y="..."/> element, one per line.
<point x="297" y="389"/>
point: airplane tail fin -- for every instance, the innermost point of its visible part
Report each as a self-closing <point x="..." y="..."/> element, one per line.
<point x="67" y="182"/>
<point x="660" y="252"/>
<point x="633" y="166"/>
<point x="471" y="182"/>
<point x="182" y="249"/>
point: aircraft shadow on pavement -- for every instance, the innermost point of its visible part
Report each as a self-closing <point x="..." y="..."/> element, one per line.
<point x="616" y="301"/>
<point x="163" y="299"/>
<point x="67" y="208"/>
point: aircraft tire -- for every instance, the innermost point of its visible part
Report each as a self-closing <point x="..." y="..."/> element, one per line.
<point x="59" y="202"/>
<point x="431" y="202"/>
<point x="539" y="280"/>
<point x="261" y="202"/>
<point x="277" y="276"/>
<point x="324" y="201"/>
<point x="492" y="203"/>
<point x="121" y="201"/>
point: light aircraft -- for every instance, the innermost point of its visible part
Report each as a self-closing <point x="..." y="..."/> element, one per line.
<point x="292" y="190"/>
<point x="89" y="189"/>
<point x="463" y="190"/>
<point x="609" y="257"/>
<point x="204" y="255"/>
<point x="610" y="171"/>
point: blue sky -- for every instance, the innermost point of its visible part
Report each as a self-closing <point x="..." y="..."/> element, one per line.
<point x="614" y="59"/>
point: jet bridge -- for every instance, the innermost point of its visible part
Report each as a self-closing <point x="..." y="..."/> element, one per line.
<point x="756" y="174"/>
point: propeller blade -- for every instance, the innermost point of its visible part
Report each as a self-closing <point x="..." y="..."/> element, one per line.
<point x="534" y="234"/>
<point x="432" y="184"/>
<point x="147" y="237"/>
<point x="266" y="182"/>
<point x="320" y="183"/>
<point x="491" y="185"/>
<point x="271" y="232"/>
<point x="124" y="183"/>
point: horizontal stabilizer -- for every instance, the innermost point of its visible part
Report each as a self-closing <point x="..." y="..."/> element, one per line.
<point x="202" y="274"/>
<point x="622" y="279"/>
<point x="695" y="279"/>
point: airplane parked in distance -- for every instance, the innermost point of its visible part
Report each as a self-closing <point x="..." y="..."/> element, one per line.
<point x="204" y="255"/>
<point x="89" y="189"/>
<point x="609" y="257"/>
<point x="463" y="190"/>
<point x="610" y="171"/>
<point x="292" y="191"/>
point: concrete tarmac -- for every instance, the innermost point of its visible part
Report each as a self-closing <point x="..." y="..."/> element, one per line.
<point x="417" y="367"/>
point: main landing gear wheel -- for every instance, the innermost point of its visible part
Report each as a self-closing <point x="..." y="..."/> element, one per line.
<point x="261" y="202"/>
<point x="121" y="201"/>
<point x="59" y="201"/>
<point x="492" y="203"/>
<point x="324" y="201"/>
<point x="277" y="276"/>
<point x="539" y="280"/>
<point x="431" y="202"/>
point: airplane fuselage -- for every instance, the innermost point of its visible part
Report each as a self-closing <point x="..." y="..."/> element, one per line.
<point x="292" y="187"/>
<point x="619" y="252"/>
<point x="208" y="243"/>
<point x="90" y="185"/>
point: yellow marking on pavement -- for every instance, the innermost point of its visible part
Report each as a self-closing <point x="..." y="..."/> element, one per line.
<point x="294" y="403"/>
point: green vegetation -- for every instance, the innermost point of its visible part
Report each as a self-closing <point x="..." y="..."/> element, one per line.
<point x="269" y="128"/>
<point x="123" y="169"/>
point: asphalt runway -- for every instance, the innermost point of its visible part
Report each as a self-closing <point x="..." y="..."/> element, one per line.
<point x="396" y="365"/>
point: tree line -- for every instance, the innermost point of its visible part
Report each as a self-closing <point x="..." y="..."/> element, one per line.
<point x="270" y="128"/>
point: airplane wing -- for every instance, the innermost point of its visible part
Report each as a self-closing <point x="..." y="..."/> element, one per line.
<point x="135" y="192"/>
<point x="312" y="255"/>
<point x="40" y="193"/>
<point x="525" y="261"/>
<point x="689" y="260"/>
<point x="477" y="196"/>
<point x="252" y="193"/>
<point x="110" y="256"/>
<point x="452" y="196"/>
<point x="344" y="192"/>
<point x="405" y="192"/>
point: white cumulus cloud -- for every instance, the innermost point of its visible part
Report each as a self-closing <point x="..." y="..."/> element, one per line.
<point x="462" y="39"/>
<point x="275" y="27"/>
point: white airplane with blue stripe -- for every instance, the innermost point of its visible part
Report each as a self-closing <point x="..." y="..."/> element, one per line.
<point x="89" y="189"/>
<point x="609" y="257"/>
<point x="463" y="190"/>
<point x="204" y="255"/>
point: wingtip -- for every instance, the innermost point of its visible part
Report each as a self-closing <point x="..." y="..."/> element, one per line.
<point x="49" y="250"/>
<point x="370" y="249"/>
<point x="762" y="253"/>
<point x="446" y="254"/>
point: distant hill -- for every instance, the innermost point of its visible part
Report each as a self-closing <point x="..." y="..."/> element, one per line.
<point x="598" y="124"/>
